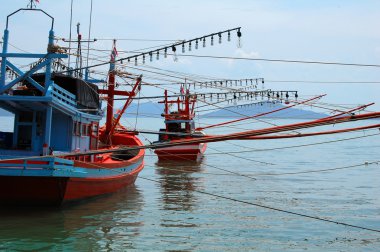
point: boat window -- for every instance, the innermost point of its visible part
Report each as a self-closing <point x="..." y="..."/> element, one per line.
<point x="74" y="128"/>
<point x="174" y="127"/>
<point x="25" y="117"/>
<point x="79" y="128"/>
<point x="88" y="130"/>
<point x="84" y="130"/>
<point x="95" y="129"/>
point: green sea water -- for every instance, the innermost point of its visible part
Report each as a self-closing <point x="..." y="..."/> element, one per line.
<point x="206" y="207"/>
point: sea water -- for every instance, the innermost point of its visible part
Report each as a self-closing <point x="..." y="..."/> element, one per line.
<point x="218" y="204"/>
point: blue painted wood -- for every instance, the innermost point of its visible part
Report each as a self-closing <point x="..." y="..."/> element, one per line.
<point x="29" y="79"/>
<point x="64" y="92"/>
<point x="63" y="95"/>
<point x="24" y="76"/>
<point x="48" y="80"/>
<point x="65" y="171"/>
<point x="3" y="59"/>
<point x="60" y="132"/>
<point x="49" y="113"/>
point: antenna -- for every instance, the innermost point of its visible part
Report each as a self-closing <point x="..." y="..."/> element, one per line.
<point x="32" y="4"/>
<point x="88" y="43"/>
<point x="71" y="23"/>
<point x="78" y="63"/>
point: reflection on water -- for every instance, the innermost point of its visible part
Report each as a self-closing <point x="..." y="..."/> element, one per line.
<point x="178" y="183"/>
<point x="91" y="224"/>
<point x="170" y="215"/>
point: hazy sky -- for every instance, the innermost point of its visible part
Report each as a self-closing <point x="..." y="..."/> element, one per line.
<point x="324" y="30"/>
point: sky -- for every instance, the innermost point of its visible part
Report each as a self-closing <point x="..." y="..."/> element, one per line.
<point x="325" y="30"/>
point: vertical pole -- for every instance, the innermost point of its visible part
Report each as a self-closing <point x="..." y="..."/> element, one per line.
<point x="166" y="110"/>
<point x="187" y="103"/>
<point x="88" y="43"/>
<point x="48" y="66"/>
<point x="71" y="21"/>
<point x="4" y="59"/>
<point x="166" y="102"/>
<point x="49" y="114"/>
<point x="34" y="131"/>
<point x="110" y="97"/>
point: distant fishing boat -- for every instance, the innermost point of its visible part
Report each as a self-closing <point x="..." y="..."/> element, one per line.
<point x="54" y="154"/>
<point x="179" y="125"/>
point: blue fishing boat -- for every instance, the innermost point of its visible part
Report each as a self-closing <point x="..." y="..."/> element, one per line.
<point x="54" y="154"/>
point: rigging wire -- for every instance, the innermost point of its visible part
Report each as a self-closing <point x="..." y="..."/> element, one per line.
<point x="244" y="58"/>
<point x="244" y="158"/>
<point x="273" y="208"/>
<point x="279" y="60"/>
<point x="320" y="170"/>
<point x="142" y="40"/>
<point x="297" y="146"/>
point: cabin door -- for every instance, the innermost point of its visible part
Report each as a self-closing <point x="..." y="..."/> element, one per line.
<point x="25" y="130"/>
<point x="24" y="139"/>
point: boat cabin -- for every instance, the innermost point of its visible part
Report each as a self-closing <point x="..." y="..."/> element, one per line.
<point x="53" y="112"/>
<point x="73" y="120"/>
<point x="180" y="123"/>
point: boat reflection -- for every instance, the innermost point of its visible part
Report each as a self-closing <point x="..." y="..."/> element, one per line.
<point x="178" y="180"/>
<point x="89" y="225"/>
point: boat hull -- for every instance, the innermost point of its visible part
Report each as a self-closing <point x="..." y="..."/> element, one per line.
<point x="190" y="152"/>
<point x="55" y="191"/>
<point x="53" y="181"/>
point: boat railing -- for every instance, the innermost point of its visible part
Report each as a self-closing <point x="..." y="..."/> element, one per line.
<point x="43" y="163"/>
<point x="63" y="95"/>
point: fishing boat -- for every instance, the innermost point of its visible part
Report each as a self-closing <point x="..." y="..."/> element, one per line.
<point x="179" y="125"/>
<point x="57" y="152"/>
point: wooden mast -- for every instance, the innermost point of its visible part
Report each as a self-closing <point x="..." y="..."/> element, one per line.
<point x="111" y="91"/>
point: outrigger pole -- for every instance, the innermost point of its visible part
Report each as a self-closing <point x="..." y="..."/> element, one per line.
<point x="252" y="133"/>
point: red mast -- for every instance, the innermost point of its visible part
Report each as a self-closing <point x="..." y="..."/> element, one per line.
<point x="111" y="90"/>
<point x="111" y="123"/>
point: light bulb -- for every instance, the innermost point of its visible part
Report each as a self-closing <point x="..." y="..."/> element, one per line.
<point x="239" y="44"/>
<point x="212" y="40"/>
<point x="220" y="38"/>
<point x="175" y="58"/>
<point x="196" y="44"/>
<point x="190" y="47"/>
<point x="204" y="42"/>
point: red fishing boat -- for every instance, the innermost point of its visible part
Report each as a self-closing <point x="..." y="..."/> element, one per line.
<point x="180" y="126"/>
<point x="57" y="153"/>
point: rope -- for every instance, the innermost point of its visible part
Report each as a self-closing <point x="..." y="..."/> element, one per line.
<point x="261" y="114"/>
<point x="279" y="60"/>
<point x="321" y="170"/>
<point x="273" y="208"/>
<point x="294" y="146"/>
<point x="244" y="158"/>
